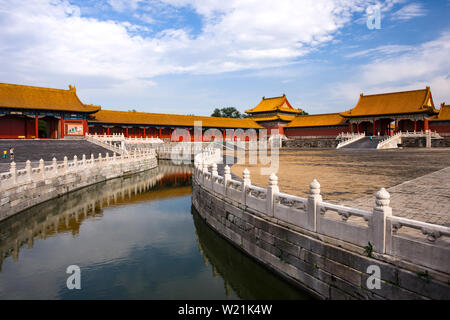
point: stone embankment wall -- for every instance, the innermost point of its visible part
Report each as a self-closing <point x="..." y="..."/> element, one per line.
<point x="330" y="143"/>
<point x="22" y="189"/>
<point x="421" y="142"/>
<point x="331" y="258"/>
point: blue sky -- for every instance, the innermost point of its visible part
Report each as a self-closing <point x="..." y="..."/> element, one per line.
<point x="191" y="56"/>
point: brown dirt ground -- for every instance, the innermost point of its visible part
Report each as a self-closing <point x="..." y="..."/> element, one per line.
<point x="348" y="174"/>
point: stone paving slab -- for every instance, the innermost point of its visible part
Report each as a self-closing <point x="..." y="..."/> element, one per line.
<point x="425" y="199"/>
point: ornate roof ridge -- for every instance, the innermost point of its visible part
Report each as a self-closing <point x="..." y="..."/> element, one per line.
<point x="279" y="97"/>
<point x="394" y="92"/>
<point x="71" y="88"/>
<point x="318" y="114"/>
<point x="174" y="114"/>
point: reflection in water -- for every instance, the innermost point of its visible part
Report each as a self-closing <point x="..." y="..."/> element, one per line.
<point x="133" y="238"/>
<point x="241" y="273"/>
<point x="66" y="214"/>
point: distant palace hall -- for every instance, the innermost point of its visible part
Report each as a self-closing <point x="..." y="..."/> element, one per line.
<point x="28" y="112"/>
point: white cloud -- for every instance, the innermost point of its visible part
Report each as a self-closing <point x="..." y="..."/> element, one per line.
<point x="50" y="42"/>
<point x="409" y="12"/>
<point x="121" y="5"/>
<point x="43" y="38"/>
<point x="147" y="18"/>
<point x="382" y="50"/>
<point x="384" y="7"/>
<point x="426" y="64"/>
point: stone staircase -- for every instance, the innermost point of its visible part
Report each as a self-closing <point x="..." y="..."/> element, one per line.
<point x="365" y="143"/>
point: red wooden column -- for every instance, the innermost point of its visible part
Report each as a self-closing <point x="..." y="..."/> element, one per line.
<point x="126" y="132"/>
<point x="85" y="127"/>
<point x="144" y="133"/>
<point x="160" y="133"/>
<point x="350" y="127"/>
<point x="425" y="125"/>
<point x="62" y="128"/>
<point x="373" y="127"/>
<point x="36" y="127"/>
<point x="107" y="131"/>
<point x="415" y="125"/>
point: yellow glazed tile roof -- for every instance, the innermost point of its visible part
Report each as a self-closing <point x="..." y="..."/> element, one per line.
<point x="444" y="114"/>
<point x="274" y="104"/>
<point x="317" y="120"/>
<point x="161" y="119"/>
<point x="28" y="97"/>
<point x="274" y="118"/>
<point x="416" y="101"/>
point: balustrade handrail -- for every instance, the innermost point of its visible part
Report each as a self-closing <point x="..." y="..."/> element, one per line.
<point x="389" y="139"/>
<point x="345" y="211"/>
<point x="379" y="231"/>
<point x="290" y="197"/>
<point x="20" y="176"/>
<point x="350" y="139"/>
<point x="427" y="228"/>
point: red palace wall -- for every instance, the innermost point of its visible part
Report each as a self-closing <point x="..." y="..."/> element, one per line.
<point x="440" y="127"/>
<point x="14" y="127"/>
<point x="315" y="131"/>
<point x="165" y="133"/>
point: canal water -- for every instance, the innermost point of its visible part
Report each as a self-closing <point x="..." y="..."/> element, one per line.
<point x="135" y="237"/>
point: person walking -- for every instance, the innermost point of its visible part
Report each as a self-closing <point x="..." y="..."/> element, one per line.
<point x="371" y="139"/>
<point x="5" y="153"/>
<point x="11" y="153"/>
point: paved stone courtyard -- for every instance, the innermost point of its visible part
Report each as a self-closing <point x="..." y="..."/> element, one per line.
<point x="418" y="179"/>
<point x="425" y="199"/>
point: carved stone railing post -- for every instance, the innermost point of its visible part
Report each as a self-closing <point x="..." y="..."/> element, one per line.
<point x="65" y="164"/>
<point x="55" y="166"/>
<point x="42" y="168"/>
<point x="205" y="170"/>
<point x="272" y="191"/>
<point x="377" y="223"/>
<point x="107" y="157"/>
<point x="28" y="169"/>
<point x="245" y="183"/>
<point x="75" y="162"/>
<point x="83" y="159"/>
<point x="226" y="178"/>
<point x="214" y="173"/>
<point x="100" y="159"/>
<point x="92" y="159"/>
<point x="314" y="199"/>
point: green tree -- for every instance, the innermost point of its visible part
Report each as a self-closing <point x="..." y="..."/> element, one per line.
<point x="229" y="112"/>
<point x="303" y="112"/>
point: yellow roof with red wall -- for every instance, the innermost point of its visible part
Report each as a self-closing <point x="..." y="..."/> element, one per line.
<point x="444" y="114"/>
<point x="274" y="104"/>
<point x="28" y="97"/>
<point x="406" y="102"/>
<point x="169" y="120"/>
<point x="317" y="120"/>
